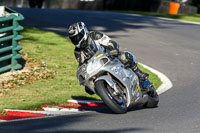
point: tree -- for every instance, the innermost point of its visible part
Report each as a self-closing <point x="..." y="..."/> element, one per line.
<point x="195" y="3"/>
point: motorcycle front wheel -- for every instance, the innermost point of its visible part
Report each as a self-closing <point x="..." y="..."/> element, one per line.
<point x="115" y="102"/>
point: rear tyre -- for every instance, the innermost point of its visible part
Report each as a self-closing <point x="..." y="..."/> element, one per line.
<point x="153" y="101"/>
<point x="105" y="94"/>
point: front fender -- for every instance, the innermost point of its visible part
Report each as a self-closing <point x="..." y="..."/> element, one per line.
<point x="113" y="85"/>
<point x="107" y="79"/>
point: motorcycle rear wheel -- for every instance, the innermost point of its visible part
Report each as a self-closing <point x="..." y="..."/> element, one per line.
<point x="152" y="101"/>
<point x="110" y="101"/>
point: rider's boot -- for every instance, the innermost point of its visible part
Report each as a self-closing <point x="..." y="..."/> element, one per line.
<point x="148" y="88"/>
<point x="146" y="85"/>
<point x="142" y="75"/>
<point x="128" y="60"/>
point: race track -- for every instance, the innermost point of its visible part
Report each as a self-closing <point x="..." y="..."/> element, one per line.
<point x="169" y="46"/>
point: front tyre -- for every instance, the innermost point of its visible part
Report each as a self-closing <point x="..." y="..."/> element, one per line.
<point x="116" y="103"/>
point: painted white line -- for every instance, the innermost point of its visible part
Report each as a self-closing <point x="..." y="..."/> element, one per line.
<point x="166" y="83"/>
<point x="183" y="21"/>
<point x="3" y="121"/>
<point x="52" y="111"/>
<point x="29" y="111"/>
<point x="69" y="110"/>
<point x="85" y="101"/>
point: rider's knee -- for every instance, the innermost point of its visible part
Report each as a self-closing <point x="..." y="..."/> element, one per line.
<point x="128" y="58"/>
<point x="122" y="58"/>
<point x="131" y="56"/>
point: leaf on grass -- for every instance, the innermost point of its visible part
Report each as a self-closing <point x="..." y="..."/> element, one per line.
<point x="36" y="71"/>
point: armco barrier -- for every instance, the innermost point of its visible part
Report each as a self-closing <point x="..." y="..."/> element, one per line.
<point x="9" y="37"/>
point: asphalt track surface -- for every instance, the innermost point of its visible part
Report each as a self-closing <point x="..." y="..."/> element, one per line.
<point x="171" y="47"/>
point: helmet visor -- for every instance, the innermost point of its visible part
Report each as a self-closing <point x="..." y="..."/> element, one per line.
<point x="77" y="38"/>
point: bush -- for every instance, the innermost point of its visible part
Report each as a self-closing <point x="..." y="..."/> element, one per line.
<point x="195" y="3"/>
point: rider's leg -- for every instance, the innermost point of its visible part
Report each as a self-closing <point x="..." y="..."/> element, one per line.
<point x="148" y="87"/>
<point x="129" y="59"/>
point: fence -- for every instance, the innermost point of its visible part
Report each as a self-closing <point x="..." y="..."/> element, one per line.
<point x="9" y="37"/>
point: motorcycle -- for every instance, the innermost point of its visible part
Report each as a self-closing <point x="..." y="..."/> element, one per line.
<point x="117" y="85"/>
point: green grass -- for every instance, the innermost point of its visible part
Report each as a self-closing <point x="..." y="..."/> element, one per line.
<point x="193" y="18"/>
<point x="57" y="52"/>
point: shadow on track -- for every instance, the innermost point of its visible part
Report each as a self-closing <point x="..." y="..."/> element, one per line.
<point x="58" y="21"/>
<point x="103" y="109"/>
<point x="62" y="124"/>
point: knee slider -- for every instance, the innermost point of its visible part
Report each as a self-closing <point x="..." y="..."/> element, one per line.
<point x="129" y="57"/>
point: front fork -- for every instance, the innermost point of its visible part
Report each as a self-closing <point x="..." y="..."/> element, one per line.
<point x="117" y="92"/>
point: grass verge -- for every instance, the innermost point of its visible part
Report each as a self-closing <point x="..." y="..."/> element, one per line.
<point x="192" y="18"/>
<point x="57" y="53"/>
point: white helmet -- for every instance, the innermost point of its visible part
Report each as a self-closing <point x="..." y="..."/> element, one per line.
<point x="78" y="34"/>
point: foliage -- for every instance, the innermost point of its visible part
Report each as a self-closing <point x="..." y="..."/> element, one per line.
<point x="35" y="72"/>
<point x="195" y="3"/>
<point x="52" y="79"/>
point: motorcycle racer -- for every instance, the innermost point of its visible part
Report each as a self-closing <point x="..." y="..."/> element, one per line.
<point x="84" y="41"/>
